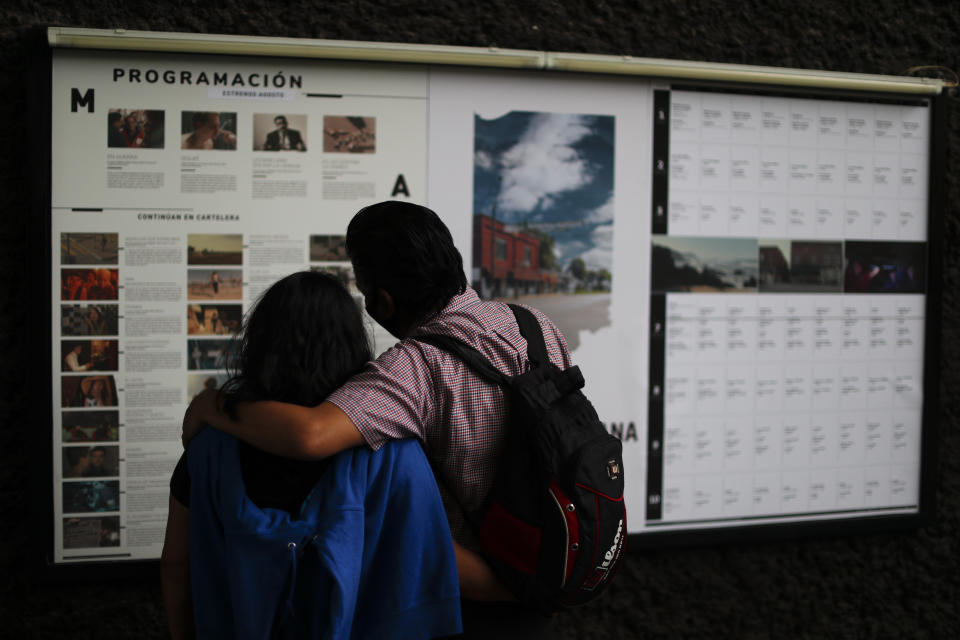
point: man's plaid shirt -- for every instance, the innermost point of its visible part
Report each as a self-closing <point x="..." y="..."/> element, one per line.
<point x="415" y="390"/>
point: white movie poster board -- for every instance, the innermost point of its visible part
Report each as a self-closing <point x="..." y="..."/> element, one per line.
<point x="740" y="277"/>
<point x="183" y="186"/>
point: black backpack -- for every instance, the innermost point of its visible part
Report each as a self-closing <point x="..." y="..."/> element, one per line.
<point x="554" y="525"/>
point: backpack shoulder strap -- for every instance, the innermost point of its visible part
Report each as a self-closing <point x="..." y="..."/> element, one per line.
<point x="468" y="354"/>
<point x="530" y="330"/>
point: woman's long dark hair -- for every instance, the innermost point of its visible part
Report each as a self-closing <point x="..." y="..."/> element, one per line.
<point x="303" y="339"/>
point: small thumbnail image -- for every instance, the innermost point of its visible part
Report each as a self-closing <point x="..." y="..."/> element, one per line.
<point x="91" y="532"/>
<point x="884" y="267"/>
<point x="210" y="353"/>
<point x="349" y="134"/>
<point x="208" y="130"/>
<point x="328" y="248"/>
<point x="89" y="320"/>
<point x="88" y="284"/>
<point x="95" y="461"/>
<point x="703" y="265"/>
<point x="343" y="273"/>
<point x="90" y="426"/>
<point x="88" y="248"/>
<point x="214" y="319"/>
<point x="88" y="391"/>
<point x="801" y="266"/>
<point x="197" y="382"/>
<point x="91" y="496"/>
<point x="89" y="355"/>
<point x="135" y="128"/>
<point x="279" y="132"/>
<point x="214" y="284"/>
<point x="216" y="248"/>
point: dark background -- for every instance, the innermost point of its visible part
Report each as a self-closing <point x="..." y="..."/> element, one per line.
<point x="894" y="585"/>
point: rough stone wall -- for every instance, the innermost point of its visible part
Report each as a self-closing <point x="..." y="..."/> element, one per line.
<point x="882" y="585"/>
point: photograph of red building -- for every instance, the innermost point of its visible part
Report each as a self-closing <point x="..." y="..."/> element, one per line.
<point x="507" y="263"/>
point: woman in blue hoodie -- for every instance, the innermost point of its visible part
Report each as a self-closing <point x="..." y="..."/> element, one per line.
<point x="261" y="546"/>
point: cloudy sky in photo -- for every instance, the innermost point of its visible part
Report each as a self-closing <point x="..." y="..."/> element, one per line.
<point x="551" y="171"/>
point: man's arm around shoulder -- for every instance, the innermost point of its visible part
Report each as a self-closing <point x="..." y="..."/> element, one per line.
<point x="288" y="430"/>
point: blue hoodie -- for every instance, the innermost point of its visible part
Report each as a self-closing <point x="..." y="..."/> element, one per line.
<point x="368" y="556"/>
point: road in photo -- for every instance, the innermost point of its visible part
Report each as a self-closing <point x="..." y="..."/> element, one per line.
<point x="581" y="312"/>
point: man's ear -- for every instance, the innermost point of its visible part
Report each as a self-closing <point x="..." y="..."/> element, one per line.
<point x="384" y="304"/>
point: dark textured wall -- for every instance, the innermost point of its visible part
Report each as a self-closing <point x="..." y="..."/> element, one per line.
<point x="881" y="585"/>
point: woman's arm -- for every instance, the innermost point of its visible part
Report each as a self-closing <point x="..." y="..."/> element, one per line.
<point x="175" y="572"/>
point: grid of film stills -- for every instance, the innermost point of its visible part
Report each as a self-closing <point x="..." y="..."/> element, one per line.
<point x="89" y="362"/>
<point x="788" y="277"/>
<point x="215" y="288"/>
<point x="217" y="130"/>
<point x="94" y="482"/>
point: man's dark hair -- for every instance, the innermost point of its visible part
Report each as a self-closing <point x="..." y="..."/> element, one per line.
<point x="93" y="450"/>
<point x="280" y="117"/>
<point x="303" y="339"/>
<point x="114" y="116"/>
<point x="406" y="250"/>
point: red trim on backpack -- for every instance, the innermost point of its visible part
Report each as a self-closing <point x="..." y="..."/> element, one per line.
<point x="573" y="528"/>
<point x="583" y="486"/>
<point x="505" y="537"/>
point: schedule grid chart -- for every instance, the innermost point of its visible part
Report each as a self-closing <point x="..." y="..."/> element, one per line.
<point x="787" y="307"/>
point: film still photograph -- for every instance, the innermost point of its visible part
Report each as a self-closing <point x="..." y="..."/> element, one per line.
<point x="279" y="132"/>
<point x="197" y="382"/>
<point x="89" y="320"/>
<point x="328" y="248"/>
<point x="349" y="134"/>
<point x="97" y="461"/>
<point x="343" y="273"/>
<point x="135" y="128"/>
<point x="543" y="205"/>
<point x="213" y="353"/>
<point x="214" y="284"/>
<point x="884" y="267"/>
<point x="89" y="355"/>
<point x="703" y="265"/>
<point x="800" y="266"/>
<point x="208" y="130"/>
<point x="214" y="319"/>
<point x="89" y="496"/>
<point x="88" y="284"/>
<point x="91" y="532"/>
<point x="218" y="248"/>
<point x="88" y="391"/>
<point x="90" y="426"/>
<point x="88" y="248"/>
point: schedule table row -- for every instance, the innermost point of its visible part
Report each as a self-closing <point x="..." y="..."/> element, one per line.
<point x="718" y="496"/>
<point x="704" y="389"/>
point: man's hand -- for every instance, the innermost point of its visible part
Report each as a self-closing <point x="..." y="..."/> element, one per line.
<point x="477" y="580"/>
<point x="201" y="411"/>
